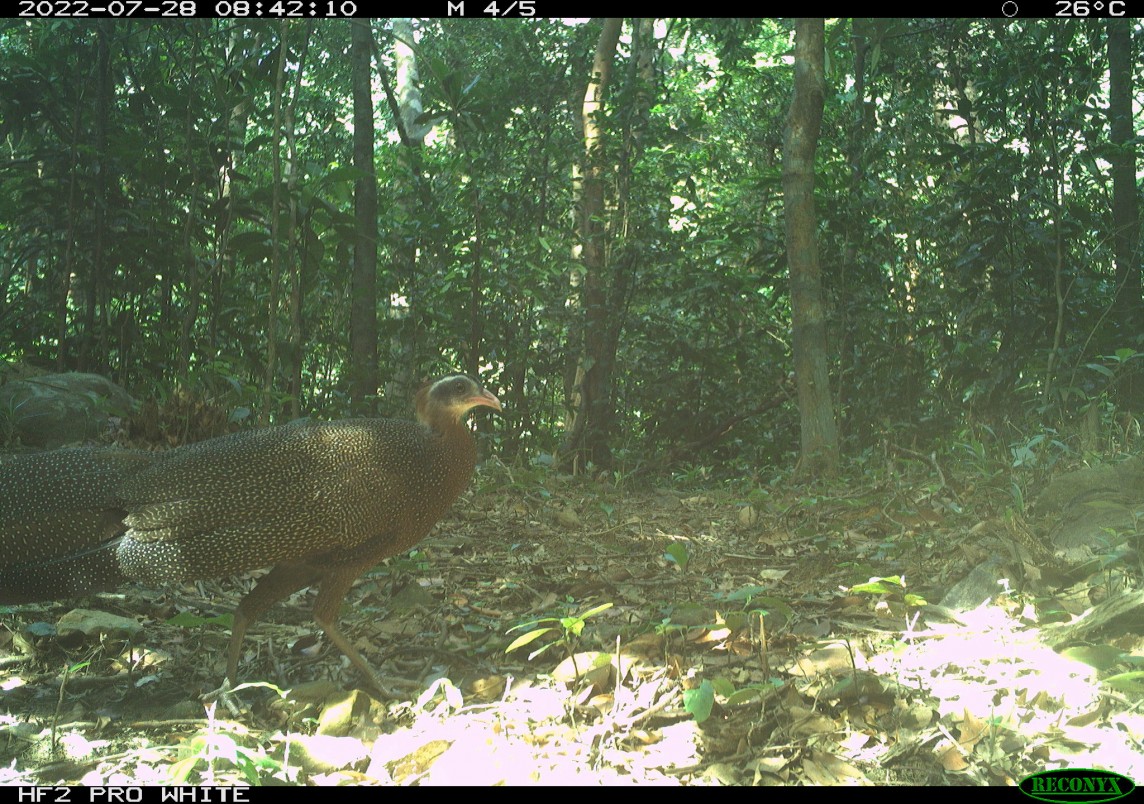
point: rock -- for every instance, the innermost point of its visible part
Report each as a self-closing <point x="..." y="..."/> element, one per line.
<point x="1089" y="512"/>
<point x="56" y="409"/>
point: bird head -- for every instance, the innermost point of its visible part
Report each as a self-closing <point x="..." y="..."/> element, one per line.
<point x="447" y="400"/>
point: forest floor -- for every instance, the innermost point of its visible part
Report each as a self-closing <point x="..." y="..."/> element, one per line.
<point x="696" y="632"/>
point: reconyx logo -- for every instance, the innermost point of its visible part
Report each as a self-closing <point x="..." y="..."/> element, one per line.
<point x="1075" y="785"/>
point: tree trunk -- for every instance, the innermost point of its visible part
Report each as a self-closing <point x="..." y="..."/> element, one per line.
<point x="186" y="324"/>
<point x="592" y="401"/>
<point x="93" y="344"/>
<point x="274" y="301"/>
<point x="1125" y="223"/>
<point x="819" y="430"/>
<point x="403" y="94"/>
<point x="363" y="285"/>
<point x="297" y="238"/>
<point x="227" y="164"/>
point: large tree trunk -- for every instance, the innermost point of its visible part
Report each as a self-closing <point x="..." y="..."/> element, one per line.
<point x="363" y="284"/>
<point x="819" y="430"/>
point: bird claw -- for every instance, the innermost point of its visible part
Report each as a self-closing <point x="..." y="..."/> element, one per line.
<point x="225" y="695"/>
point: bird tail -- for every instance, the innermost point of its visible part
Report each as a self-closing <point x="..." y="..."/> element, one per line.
<point x="75" y="575"/>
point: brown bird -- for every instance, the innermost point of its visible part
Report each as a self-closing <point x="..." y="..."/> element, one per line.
<point x="319" y="502"/>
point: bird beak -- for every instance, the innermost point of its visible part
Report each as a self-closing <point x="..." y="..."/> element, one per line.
<point x="484" y="398"/>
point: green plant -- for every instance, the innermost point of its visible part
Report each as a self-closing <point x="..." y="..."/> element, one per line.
<point x="567" y="629"/>
<point x="210" y="748"/>
<point x="217" y="745"/>
<point x="1041" y="448"/>
<point x="677" y="554"/>
<point x="893" y="587"/>
<point x="699" y="701"/>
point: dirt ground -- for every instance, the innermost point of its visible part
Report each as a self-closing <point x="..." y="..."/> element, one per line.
<point x="691" y="632"/>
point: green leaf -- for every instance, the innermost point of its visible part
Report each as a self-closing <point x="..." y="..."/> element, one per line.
<point x="525" y="639"/>
<point x="745" y="594"/>
<point x="677" y="553"/>
<point x="180" y="770"/>
<point x="1100" y="657"/>
<point x="1127" y="682"/>
<point x="723" y="686"/>
<point x="594" y="611"/>
<point x="343" y="173"/>
<point x="699" y="701"/>
<point x="880" y="586"/>
<point x="745" y="695"/>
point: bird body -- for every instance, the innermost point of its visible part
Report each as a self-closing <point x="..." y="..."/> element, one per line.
<point x="216" y="508"/>
<point x="320" y="502"/>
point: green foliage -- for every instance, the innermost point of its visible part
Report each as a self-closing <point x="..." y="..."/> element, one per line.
<point x="1100" y="657"/>
<point x="699" y="701"/>
<point x="1038" y="450"/>
<point x="960" y="182"/>
<point x="678" y="554"/>
<point x="212" y="751"/>
<point x="566" y="629"/>
<point x="1129" y="683"/>
<point x="891" y="587"/>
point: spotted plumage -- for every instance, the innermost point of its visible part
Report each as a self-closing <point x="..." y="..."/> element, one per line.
<point x="320" y="502"/>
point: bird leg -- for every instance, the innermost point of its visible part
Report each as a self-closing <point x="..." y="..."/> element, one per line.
<point x="331" y="595"/>
<point x="278" y="584"/>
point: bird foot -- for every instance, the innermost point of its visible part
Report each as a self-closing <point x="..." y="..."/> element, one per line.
<point x="225" y="695"/>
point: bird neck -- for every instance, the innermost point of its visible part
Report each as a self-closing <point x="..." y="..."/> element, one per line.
<point x="443" y="421"/>
<point x="458" y="453"/>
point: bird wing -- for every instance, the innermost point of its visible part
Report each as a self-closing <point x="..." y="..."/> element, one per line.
<point x="255" y="498"/>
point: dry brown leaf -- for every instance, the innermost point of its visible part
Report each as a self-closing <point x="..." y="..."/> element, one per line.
<point x="827" y="769"/>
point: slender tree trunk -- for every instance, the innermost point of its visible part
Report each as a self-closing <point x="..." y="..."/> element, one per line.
<point x="92" y="354"/>
<point x="241" y="43"/>
<point x="849" y="270"/>
<point x="296" y="238"/>
<point x="403" y="94"/>
<point x="68" y="270"/>
<point x="476" y="318"/>
<point x="819" y="430"/>
<point x="186" y="324"/>
<point x="274" y="302"/>
<point x="1125" y="220"/>
<point x="592" y="398"/>
<point x="363" y="283"/>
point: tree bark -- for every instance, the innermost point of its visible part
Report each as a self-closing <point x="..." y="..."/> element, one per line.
<point x="363" y="283"/>
<point x="410" y="193"/>
<point x="1125" y="221"/>
<point x="591" y="400"/>
<point x="819" y="429"/>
